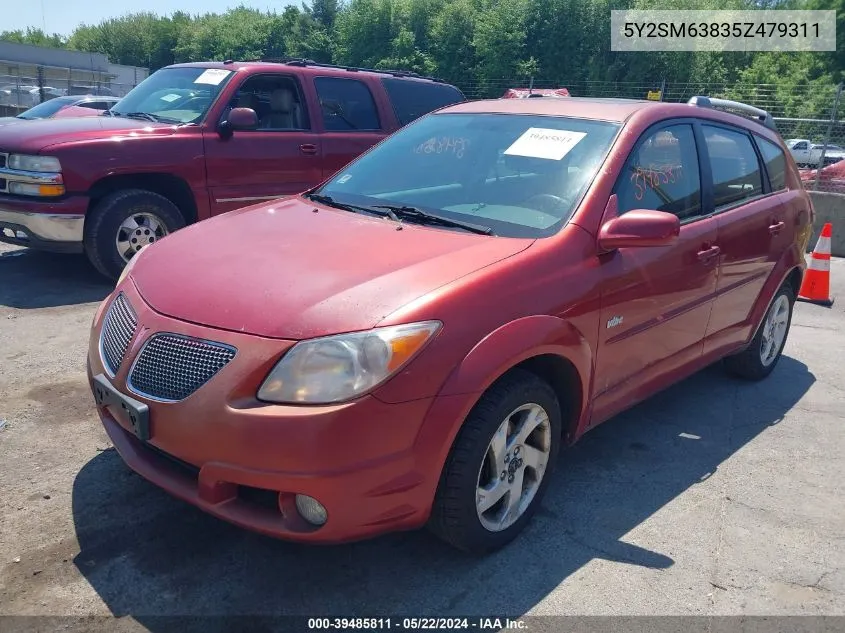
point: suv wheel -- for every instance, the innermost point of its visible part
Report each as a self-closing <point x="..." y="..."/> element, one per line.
<point x="499" y="467"/>
<point x="759" y="359"/>
<point x="124" y="222"/>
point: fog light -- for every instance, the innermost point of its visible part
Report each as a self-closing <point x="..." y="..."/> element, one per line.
<point x="311" y="510"/>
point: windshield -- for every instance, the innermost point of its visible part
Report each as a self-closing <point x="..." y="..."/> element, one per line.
<point x="47" y="109"/>
<point x="174" y="95"/>
<point x="520" y="175"/>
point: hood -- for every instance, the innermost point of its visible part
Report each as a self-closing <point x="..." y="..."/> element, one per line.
<point x="6" y="120"/>
<point x="39" y="134"/>
<point x="282" y="270"/>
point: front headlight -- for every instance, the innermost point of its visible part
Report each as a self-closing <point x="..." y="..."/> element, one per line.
<point x="25" y="162"/>
<point x="341" y="367"/>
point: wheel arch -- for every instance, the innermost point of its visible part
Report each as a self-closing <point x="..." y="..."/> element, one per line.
<point x="549" y="347"/>
<point x="169" y="186"/>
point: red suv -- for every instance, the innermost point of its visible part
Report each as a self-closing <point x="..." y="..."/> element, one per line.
<point x="414" y="340"/>
<point x="192" y="141"/>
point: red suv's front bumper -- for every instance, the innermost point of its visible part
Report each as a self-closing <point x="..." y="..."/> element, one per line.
<point x="244" y="461"/>
<point x="55" y="225"/>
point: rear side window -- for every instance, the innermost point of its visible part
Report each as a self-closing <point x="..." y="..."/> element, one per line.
<point x="413" y="99"/>
<point x="775" y="163"/>
<point x="662" y="174"/>
<point x="734" y="164"/>
<point x="347" y="105"/>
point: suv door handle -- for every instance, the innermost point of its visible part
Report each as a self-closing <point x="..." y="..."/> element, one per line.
<point x="708" y="253"/>
<point x="776" y="228"/>
<point x="308" y="148"/>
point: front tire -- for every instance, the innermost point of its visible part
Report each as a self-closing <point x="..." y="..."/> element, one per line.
<point x="762" y="355"/>
<point x="124" y="222"/>
<point x="499" y="466"/>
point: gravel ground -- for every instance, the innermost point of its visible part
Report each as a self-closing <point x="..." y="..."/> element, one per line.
<point x="716" y="497"/>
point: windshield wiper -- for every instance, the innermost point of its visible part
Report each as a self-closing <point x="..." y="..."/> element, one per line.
<point x="424" y="217"/>
<point x="355" y="208"/>
<point x="147" y="116"/>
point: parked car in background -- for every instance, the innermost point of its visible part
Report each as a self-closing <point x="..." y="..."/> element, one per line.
<point x="416" y="339"/>
<point x="28" y="96"/>
<point x="192" y="141"/>
<point x="830" y="178"/>
<point x="64" y="107"/>
<point x="808" y="154"/>
<point x="524" y="93"/>
<point x="101" y="91"/>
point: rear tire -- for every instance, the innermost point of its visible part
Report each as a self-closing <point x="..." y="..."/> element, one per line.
<point x="125" y="221"/>
<point x="762" y="355"/>
<point x="460" y="516"/>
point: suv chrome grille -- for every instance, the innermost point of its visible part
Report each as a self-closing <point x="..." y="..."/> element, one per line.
<point x="118" y="329"/>
<point x="171" y="367"/>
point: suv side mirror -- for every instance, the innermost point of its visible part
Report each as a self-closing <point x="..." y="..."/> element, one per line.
<point x="640" y="227"/>
<point x="239" y="119"/>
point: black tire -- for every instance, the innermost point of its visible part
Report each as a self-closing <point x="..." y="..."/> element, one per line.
<point x="748" y="364"/>
<point x="454" y="517"/>
<point x="102" y="224"/>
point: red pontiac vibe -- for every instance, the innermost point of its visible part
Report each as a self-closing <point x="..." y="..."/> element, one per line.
<point x="413" y="341"/>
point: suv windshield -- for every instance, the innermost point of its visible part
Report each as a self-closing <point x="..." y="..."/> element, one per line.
<point x="519" y="175"/>
<point x="174" y="95"/>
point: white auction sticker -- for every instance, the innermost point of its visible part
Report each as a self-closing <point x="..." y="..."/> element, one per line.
<point x="212" y="76"/>
<point x="170" y="98"/>
<point x="541" y="142"/>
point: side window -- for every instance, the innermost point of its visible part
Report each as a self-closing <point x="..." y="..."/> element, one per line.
<point x="734" y="164"/>
<point x="276" y="100"/>
<point x="411" y="98"/>
<point x="347" y="105"/>
<point x="801" y="145"/>
<point x="94" y="105"/>
<point x="775" y="163"/>
<point x="662" y="174"/>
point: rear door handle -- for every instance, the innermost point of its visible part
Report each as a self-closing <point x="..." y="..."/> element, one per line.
<point x="308" y="148"/>
<point x="708" y="253"/>
<point x="776" y="228"/>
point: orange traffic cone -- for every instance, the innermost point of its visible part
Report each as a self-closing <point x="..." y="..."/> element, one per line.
<point x="816" y="285"/>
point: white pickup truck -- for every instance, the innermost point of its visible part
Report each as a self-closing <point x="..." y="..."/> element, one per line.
<point x="809" y="154"/>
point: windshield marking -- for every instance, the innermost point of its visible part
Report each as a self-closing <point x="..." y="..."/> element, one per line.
<point x="212" y="76"/>
<point x="538" y="142"/>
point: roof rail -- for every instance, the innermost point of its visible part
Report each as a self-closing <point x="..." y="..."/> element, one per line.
<point x="301" y="61"/>
<point x="735" y="106"/>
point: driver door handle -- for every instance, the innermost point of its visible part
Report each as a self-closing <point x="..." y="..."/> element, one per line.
<point x="308" y="148"/>
<point x="708" y="253"/>
<point x="776" y="228"/>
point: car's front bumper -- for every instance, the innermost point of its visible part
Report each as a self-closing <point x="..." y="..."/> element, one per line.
<point x="51" y="226"/>
<point x="244" y="461"/>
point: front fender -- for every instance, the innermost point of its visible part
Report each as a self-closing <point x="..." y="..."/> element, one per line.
<point x="485" y="363"/>
<point x="515" y="342"/>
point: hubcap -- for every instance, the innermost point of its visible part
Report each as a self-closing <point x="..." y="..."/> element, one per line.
<point x="513" y="467"/>
<point x="136" y="232"/>
<point x="774" y="330"/>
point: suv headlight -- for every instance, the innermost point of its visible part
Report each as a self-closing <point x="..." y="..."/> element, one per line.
<point x="25" y="162"/>
<point x="337" y="368"/>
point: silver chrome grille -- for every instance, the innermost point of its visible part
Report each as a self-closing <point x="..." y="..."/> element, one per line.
<point x="171" y="367"/>
<point x="118" y="329"/>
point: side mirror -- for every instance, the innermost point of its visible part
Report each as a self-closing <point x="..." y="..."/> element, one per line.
<point x="640" y="227"/>
<point x="238" y="119"/>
